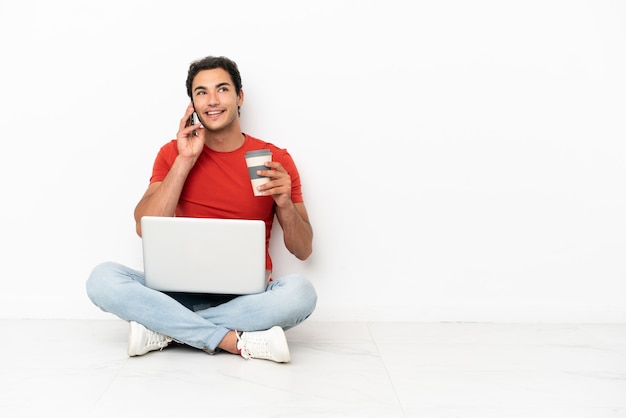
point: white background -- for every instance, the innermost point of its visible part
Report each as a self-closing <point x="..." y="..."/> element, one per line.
<point x="461" y="160"/>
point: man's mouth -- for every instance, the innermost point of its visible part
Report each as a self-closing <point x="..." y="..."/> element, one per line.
<point x="213" y="113"/>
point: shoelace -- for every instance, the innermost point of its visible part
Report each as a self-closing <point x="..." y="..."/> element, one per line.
<point x="156" y="339"/>
<point x="251" y="347"/>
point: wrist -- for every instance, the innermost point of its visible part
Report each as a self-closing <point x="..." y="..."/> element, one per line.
<point x="287" y="209"/>
<point x="184" y="163"/>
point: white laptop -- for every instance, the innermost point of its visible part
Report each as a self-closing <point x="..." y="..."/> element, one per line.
<point x="204" y="255"/>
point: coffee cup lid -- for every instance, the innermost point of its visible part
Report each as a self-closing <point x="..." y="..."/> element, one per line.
<point x="258" y="153"/>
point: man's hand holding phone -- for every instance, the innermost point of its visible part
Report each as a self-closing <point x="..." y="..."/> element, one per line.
<point x="190" y="136"/>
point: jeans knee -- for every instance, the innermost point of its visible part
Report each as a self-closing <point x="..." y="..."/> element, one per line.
<point x="309" y="299"/>
<point x="303" y="296"/>
<point x="97" y="280"/>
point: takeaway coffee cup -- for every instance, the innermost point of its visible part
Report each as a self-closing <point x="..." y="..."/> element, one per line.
<point x="255" y="161"/>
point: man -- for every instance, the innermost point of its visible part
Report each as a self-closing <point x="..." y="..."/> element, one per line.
<point x="199" y="175"/>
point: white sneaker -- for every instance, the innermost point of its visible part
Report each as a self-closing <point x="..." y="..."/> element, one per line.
<point x="266" y="345"/>
<point x="141" y="340"/>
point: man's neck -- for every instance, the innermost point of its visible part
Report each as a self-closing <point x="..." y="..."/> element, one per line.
<point x="224" y="141"/>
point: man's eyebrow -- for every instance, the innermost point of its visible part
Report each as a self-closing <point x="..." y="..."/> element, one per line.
<point x="216" y="86"/>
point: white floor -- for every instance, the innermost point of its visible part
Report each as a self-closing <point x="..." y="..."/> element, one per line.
<point x="80" y="369"/>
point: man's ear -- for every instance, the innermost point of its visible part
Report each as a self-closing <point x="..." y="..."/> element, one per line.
<point x="240" y="98"/>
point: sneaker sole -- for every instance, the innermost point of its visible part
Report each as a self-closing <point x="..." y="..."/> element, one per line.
<point x="282" y="356"/>
<point x="133" y="330"/>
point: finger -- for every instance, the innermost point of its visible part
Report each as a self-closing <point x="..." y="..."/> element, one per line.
<point x="185" y="121"/>
<point x="196" y="129"/>
<point x="275" y="165"/>
<point x="268" y="173"/>
<point x="188" y="130"/>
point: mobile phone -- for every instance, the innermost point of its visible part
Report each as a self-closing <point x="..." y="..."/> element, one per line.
<point x="193" y="119"/>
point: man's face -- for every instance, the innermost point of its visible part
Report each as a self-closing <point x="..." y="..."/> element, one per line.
<point x="214" y="98"/>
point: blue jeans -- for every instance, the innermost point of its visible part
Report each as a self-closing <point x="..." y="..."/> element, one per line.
<point x="199" y="320"/>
